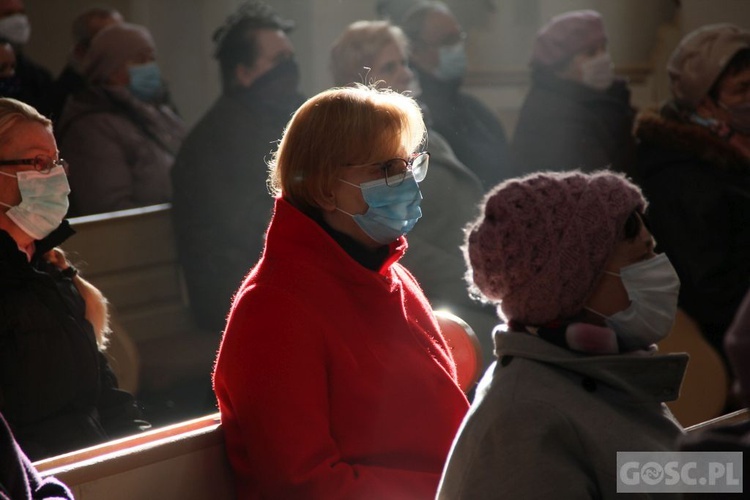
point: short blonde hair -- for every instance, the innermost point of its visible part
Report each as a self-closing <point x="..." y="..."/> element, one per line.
<point x="339" y="127"/>
<point x="12" y="111"/>
<point x="355" y="50"/>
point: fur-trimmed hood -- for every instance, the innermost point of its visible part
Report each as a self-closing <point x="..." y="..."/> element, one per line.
<point x="689" y="139"/>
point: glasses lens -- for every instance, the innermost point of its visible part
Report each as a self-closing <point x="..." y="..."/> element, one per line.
<point x="43" y="163"/>
<point x="419" y="166"/>
<point x="395" y="171"/>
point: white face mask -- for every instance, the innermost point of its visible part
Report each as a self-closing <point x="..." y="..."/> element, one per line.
<point x="598" y="72"/>
<point x="44" y="201"/>
<point x="16" y="29"/>
<point x="653" y="287"/>
<point x="452" y="62"/>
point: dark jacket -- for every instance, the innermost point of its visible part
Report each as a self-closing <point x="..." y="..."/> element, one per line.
<point x="221" y="204"/>
<point x="57" y="391"/>
<point x="67" y="83"/>
<point x="35" y="81"/>
<point x="120" y="150"/>
<point x="472" y="130"/>
<point x="19" y="480"/>
<point x="564" y="125"/>
<point x="698" y="188"/>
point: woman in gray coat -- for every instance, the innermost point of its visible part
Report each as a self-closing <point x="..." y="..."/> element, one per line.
<point x="119" y="135"/>
<point x="570" y="263"/>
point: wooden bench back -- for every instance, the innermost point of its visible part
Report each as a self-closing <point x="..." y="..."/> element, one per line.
<point x="131" y="256"/>
<point x="182" y="461"/>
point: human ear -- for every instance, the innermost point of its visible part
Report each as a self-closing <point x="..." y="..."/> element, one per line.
<point x="326" y="200"/>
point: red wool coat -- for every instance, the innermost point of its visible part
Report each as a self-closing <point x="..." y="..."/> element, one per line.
<point x="333" y="381"/>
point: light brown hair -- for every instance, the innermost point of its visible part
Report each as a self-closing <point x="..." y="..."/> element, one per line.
<point x="339" y="127"/>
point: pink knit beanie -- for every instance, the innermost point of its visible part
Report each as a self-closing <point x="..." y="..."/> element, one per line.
<point x="115" y="46"/>
<point x="701" y="57"/>
<point x="543" y="240"/>
<point x="566" y="35"/>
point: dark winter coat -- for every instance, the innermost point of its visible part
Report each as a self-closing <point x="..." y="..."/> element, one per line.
<point x="474" y="133"/>
<point x="35" y="83"/>
<point x="698" y="188"/>
<point x="57" y="391"/>
<point x="120" y="150"/>
<point x="221" y="203"/>
<point x="19" y="480"/>
<point x="564" y="125"/>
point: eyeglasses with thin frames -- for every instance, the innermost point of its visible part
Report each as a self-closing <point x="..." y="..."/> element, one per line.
<point x="41" y="163"/>
<point x="395" y="169"/>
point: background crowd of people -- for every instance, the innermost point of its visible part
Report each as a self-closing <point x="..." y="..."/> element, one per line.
<point x="320" y="234"/>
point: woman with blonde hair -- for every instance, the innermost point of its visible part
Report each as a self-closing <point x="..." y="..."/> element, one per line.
<point x="333" y="378"/>
<point x="57" y="390"/>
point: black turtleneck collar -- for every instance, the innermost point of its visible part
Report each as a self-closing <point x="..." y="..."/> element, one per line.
<point x="368" y="258"/>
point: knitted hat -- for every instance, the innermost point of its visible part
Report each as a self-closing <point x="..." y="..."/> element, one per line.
<point x="543" y="240"/>
<point x="115" y="46"/>
<point x="566" y="35"/>
<point x="398" y="11"/>
<point x="701" y="57"/>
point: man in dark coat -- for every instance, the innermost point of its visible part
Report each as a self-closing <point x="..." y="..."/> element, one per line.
<point x="694" y="168"/>
<point x="439" y="61"/>
<point x="221" y="203"/>
<point x="577" y="115"/>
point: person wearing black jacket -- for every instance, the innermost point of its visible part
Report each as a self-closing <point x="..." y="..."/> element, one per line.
<point x="438" y="58"/>
<point x="220" y="204"/>
<point x="694" y="168"/>
<point x="577" y="114"/>
<point x="57" y="391"/>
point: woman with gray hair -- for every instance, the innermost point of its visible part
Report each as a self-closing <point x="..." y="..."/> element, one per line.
<point x="376" y="51"/>
<point x="120" y="135"/>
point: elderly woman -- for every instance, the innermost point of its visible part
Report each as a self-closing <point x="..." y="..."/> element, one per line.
<point x="333" y="378"/>
<point x="570" y="263"/>
<point x="119" y="135"/>
<point x="577" y="114"/>
<point x="377" y="51"/>
<point x="694" y="165"/>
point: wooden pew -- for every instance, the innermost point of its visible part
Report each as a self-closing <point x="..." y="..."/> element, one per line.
<point x="735" y="417"/>
<point x="131" y="257"/>
<point x="182" y="461"/>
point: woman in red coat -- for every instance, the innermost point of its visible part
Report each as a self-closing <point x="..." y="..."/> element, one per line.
<point x="333" y="378"/>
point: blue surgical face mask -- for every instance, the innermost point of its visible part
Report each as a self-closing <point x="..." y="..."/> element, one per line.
<point x="44" y="201"/>
<point x="393" y="210"/>
<point x="452" y="62"/>
<point x="145" y="81"/>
